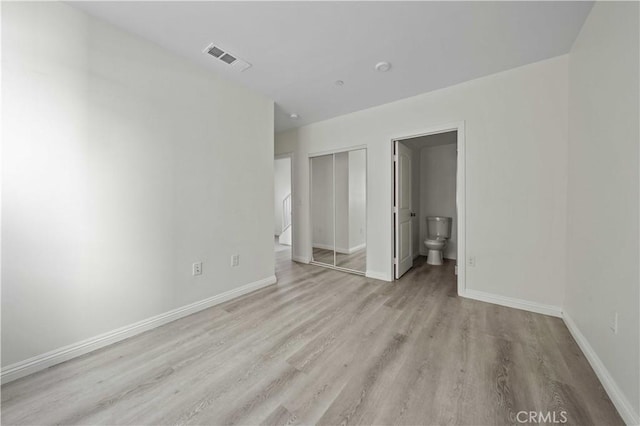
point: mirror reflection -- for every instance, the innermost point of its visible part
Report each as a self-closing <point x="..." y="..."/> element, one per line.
<point x="351" y="205"/>
<point x="338" y="209"/>
<point x="322" y="215"/>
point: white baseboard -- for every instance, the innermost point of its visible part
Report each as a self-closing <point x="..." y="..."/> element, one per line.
<point x="356" y="248"/>
<point x="300" y="259"/>
<point x="342" y="250"/>
<point x="378" y="276"/>
<point x="329" y="247"/>
<point x="618" y="398"/>
<point x="510" y="302"/>
<point x="40" y="362"/>
<point x="322" y="246"/>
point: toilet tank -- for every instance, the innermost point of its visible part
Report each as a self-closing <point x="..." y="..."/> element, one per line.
<point x="439" y="226"/>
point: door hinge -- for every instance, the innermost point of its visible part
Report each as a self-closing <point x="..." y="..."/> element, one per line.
<point x="395" y="157"/>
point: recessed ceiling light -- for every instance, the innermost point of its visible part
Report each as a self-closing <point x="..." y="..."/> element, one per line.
<point x="294" y="116"/>
<point x="383" y="66"/>
<point x="339" y="83"/>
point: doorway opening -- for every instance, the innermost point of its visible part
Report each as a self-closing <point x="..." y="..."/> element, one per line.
<point x="283" y="205"/>
<point x="428" y="202"/>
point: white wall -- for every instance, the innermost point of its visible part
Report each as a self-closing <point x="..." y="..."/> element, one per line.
<point x="282" y="187"/>
<point x="120" y="169"/>
<point x="438" y="192"/>
<point x="603" y="193"/>
<point x="516" y="136"/>
<point x="357" y="198"/>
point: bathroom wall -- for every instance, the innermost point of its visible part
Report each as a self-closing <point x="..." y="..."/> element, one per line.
<point x="438" y="190"/>
<point x="603" y="244"/>
<point x="117" y="157"/>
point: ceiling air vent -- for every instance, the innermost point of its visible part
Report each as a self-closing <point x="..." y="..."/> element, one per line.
<point x="226" y="57"/>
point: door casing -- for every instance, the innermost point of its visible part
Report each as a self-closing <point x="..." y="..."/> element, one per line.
<point x="458" y="127"/>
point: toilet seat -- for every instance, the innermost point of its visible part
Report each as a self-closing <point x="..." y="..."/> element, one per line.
<point x="435" y="247"/>
<point x="437" y="243"/>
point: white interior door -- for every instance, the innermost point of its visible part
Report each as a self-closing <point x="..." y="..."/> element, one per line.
<point x="403" y="251"/>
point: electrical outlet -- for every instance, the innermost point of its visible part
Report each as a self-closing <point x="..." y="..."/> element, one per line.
<point x="472" y="261"/>
<point x="196" y="268"/>
<point x="613" y="324"/>
<point x="235" y="260"/>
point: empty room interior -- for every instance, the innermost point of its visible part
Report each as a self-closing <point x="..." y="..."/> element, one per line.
<point x="374" y="213"/>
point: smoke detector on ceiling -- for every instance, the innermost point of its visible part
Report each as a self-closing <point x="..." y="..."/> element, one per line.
<point x="383" y="66"/>
<point x="226" y="57"/>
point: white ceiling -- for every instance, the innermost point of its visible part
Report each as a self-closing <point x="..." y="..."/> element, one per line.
<point x="299" y="49"/>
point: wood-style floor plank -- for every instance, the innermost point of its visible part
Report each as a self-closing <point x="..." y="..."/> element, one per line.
<point x="325" y="347"/>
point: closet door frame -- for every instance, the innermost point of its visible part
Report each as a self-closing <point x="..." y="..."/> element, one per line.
<point x="310" y="230"/>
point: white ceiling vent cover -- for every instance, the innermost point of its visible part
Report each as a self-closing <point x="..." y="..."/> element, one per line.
<point x="228" y="58"/>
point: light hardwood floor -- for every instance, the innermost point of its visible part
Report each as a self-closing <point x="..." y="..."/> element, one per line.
<point x="356" y="261"/>
<point x="326" y="347"/>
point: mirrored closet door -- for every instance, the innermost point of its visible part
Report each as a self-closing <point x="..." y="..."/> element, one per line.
<point x="323" y="231"/>
<point x="338" y="209"/>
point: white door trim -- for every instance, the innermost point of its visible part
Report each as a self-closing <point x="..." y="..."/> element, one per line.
<point x="337" y="150"/>
<point x="461" y="196"/>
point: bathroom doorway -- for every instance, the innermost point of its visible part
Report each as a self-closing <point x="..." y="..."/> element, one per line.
<point x="428" y="202"/>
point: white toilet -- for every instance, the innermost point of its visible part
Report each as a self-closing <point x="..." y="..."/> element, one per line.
<point x="438" y="232"/>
